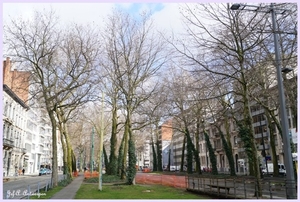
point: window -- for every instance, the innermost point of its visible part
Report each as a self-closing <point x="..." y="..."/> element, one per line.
<point x="234" y="140"/>
<point x="5" y="109"/>
<point x="4" y="134"/>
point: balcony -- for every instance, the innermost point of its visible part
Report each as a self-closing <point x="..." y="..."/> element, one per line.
<point x="241" y="149"/>
<point x="218" y="149"/>
<point x="260" y="111"/>
<point x="260" y="123"/>
<point x="257" y="136"/>
<point x="261" y="147"/>
<point x="23" y="150"/>
<point x="7" y="144"/>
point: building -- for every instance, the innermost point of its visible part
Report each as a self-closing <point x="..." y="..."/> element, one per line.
<point x="262" y="140"/>
<point x="14" y="131"/>
<point x="165" y="132"/>
<point x="27" y="140"/>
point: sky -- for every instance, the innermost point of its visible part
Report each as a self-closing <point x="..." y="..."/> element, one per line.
<point x="165" y="15"/>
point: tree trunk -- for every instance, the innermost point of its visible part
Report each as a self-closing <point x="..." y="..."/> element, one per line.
<point x="113" y="161"/>
<point x="106" y="159"/>
<point x="126" y="140"/>
<point x="212" y="155"/>
<point x="54" y="175"/>
<point x="228" y="153"/>
<point x="182" y="154"/>
<point x="158" y="150"/>
<point x="120" y="157"/>
<point x="154" y="155"/>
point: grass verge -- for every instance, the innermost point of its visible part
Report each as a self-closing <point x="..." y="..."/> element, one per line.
<point x="46" y="195"/>
<point x="90" y="191"/>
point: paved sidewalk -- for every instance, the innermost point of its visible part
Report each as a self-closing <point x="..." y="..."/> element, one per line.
<point x="19" y="177"/>
<point x="70" y="190"/>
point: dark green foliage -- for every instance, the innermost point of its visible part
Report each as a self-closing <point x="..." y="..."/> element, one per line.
<point x="105" y="179"/>
<point x="159" y="156"/>
<point x="131" y="170"/>
<point x="105" y="157"/>
<point x="212" y="156"/>
<point x="112" y="166"/>
<point x="189" y="156"/>
<point x="244" y="133"/>
<point x="194" y="152"/>
<point x="65" y="168"/>
<point x="169" y="160"/>
<point x="182" y="154"/>
<point x="73" y="161"/>
<point x="154" y="156"/>
<point x="228" y="153"/>
<point x="120" y="157"/>
<point x="65" y="182"/>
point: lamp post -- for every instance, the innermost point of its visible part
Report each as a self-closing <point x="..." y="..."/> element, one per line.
<point x="290" y="179"/>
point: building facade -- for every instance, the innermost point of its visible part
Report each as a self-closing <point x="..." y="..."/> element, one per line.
<point x="14" y="131"/>
<point x="27" y="134"/>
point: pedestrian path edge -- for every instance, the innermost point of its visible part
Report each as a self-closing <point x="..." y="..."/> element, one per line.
<point x="70" y="190"/>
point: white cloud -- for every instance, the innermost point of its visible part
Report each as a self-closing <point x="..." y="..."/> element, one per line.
<point x="166" y="15"/>
<point x="68" y="12"/>
<point x="169" y="18"/>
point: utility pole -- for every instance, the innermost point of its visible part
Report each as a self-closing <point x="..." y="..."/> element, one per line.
<point x="290" y="178"/>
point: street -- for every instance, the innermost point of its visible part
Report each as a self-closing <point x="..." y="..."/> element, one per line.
<point x="18" y="187"/>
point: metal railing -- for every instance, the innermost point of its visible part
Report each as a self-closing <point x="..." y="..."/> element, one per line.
<point x="32" y="190"/>
<point x="240" y="188"/>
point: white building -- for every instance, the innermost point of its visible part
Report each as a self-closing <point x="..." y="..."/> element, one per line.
<point x="27" y="133"/>
<point x="14" y="130"/>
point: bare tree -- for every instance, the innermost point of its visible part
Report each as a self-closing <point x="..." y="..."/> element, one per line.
<point x="186" y="113"/>
<point x="222" y="42"/>
<point x="135" y="55"/>
<point x="61" y="66"/>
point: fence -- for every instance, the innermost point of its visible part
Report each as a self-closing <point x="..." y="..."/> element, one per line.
<point x="88" y="174"/>
<point x="33" y="189"/>
<point x="240" y="188"/>
<point x="166" y="180"/>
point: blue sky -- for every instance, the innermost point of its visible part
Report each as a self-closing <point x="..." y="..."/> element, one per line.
<point x="137" y="7"/>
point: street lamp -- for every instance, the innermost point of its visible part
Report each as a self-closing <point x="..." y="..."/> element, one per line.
<point x="290" y="178"/>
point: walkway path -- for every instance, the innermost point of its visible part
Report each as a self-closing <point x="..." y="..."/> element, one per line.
<point x="70" y="190"/>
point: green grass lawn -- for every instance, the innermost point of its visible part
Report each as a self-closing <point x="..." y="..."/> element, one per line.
<point x="90" y="191"/>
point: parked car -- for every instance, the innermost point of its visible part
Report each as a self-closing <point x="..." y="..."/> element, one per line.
<point x="173" y="168"/>
<point x="43" y="171"/>
<point x="270" y="170"/>
<point x="48" y="171"/>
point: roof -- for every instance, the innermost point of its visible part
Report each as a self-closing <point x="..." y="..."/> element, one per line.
<point x="14" y="96"/>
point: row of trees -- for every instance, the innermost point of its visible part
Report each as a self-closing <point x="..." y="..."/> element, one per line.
<point x="216" y="69"/>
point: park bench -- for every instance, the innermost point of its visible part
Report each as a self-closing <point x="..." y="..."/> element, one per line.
<point x="226" y="188"/>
